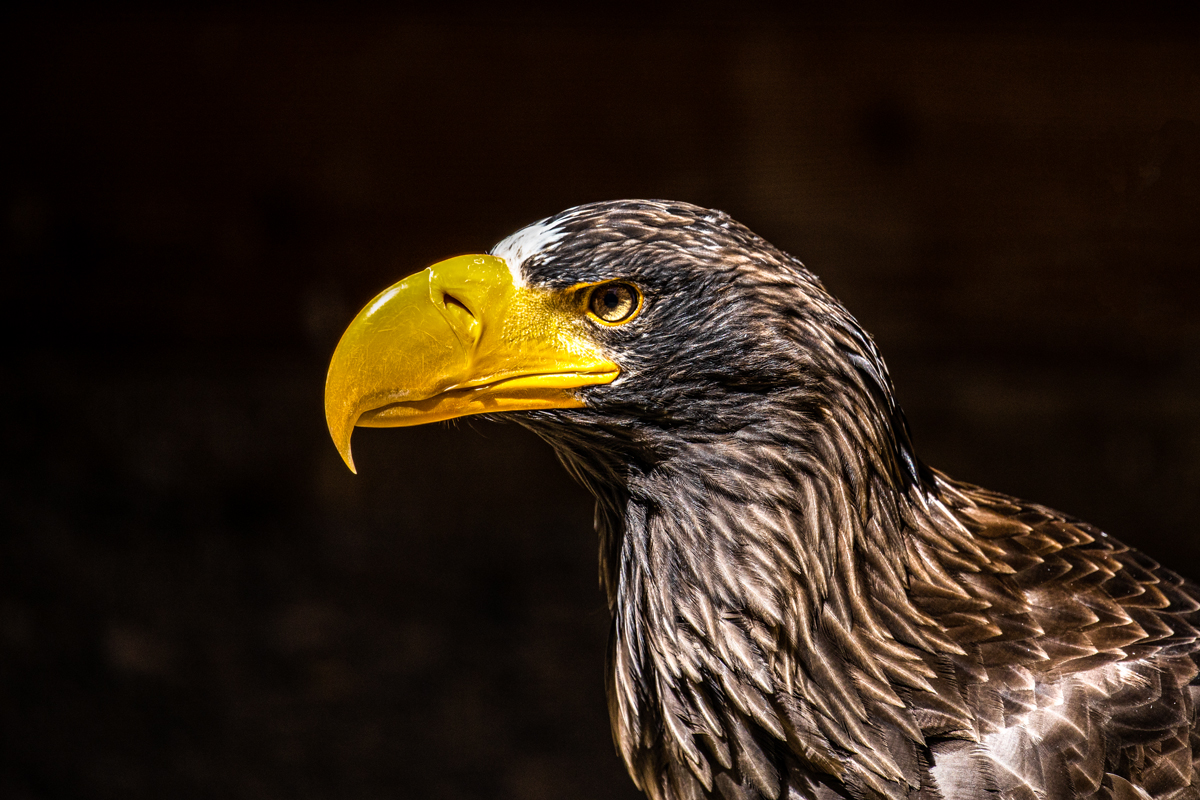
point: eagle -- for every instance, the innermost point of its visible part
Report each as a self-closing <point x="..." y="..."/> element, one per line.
<point x="801" y="608"/>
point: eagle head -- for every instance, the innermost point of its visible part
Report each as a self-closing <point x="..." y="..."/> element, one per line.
<point x="629" y="332"/>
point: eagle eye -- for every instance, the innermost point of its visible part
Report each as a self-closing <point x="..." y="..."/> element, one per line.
<point x="614" y="303"/>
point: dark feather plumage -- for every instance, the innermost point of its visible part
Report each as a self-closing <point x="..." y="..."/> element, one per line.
<point x="801" y="608"/>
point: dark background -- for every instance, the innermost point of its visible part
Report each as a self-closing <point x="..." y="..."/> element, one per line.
<point x="197" y="599"/>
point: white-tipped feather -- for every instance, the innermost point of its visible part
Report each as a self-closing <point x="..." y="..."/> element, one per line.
<point x="526" y="242"/>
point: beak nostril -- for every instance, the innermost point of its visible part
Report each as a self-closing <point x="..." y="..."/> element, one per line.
<point x="450" y="300"/>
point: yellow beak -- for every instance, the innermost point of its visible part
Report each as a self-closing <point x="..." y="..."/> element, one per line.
<point x="459" y="338"/>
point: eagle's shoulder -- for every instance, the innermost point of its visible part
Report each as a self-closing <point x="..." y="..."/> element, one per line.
<point x="1080" y="652"/>
<point x="1057" y="594"/>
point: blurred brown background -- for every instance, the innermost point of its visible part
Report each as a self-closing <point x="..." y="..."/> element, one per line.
<point x="198" y="600"/>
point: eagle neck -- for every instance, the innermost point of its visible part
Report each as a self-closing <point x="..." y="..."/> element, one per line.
<point x="721" y="553"/>
<point x="749" y="522"/>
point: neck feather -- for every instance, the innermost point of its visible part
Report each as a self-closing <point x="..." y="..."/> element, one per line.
<point x="771" y="561"/>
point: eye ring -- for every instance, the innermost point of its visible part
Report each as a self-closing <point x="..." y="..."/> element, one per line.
<point x="614" y="303"/>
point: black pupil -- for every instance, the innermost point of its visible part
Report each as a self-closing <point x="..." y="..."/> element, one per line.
<point x="612" y="298"/>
